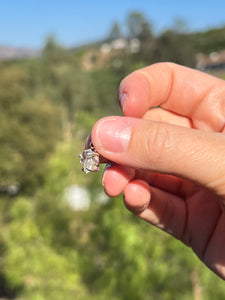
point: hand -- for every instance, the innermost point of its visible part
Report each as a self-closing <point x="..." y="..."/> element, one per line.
<point x="169" y="154"/>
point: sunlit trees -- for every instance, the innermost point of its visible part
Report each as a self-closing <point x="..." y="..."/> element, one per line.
<point x="28" y="132"/>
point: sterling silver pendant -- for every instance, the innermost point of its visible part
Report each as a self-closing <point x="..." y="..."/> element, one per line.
<point x="89" y="160"/>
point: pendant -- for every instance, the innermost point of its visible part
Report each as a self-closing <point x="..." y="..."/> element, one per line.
<point x="89" y="160"/>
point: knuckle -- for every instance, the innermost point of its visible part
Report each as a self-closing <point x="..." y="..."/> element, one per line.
<point x="158" y="142"/>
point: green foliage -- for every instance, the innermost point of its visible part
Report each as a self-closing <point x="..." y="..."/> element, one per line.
<point x="33" y="264"/>
<point x="175" y="47"/>
<point x="28" y="132"/>
<point x="126" y="259"/>
<point x="106" y="82"/>
<point x="209" y="41"/>
<point x="53" y="52"/>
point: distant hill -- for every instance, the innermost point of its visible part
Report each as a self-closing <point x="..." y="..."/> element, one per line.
<point x="9" y="53"/>
<point x="201" y="42"/>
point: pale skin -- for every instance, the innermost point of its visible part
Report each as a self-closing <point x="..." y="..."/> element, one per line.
<point x="169" y="155"/>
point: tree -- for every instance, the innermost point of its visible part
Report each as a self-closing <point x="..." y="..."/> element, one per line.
<point x="135" y="22"/>
<point x="180" y="26"/>
<point x="208" y="41"/>
<point x="175" y="47"/>
<point x="141" y="29"/>
<point x="28" y="133"/>
<point x="115" y="32"/>
<point x="53" y="52"/>
<point x="32" y="265"/>
<point x="147" y="43"/>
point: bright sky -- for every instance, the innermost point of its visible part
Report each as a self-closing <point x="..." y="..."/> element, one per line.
<point x="28" y="22"/>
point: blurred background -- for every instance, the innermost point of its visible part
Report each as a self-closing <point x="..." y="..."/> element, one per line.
<point x="61" y="63"/>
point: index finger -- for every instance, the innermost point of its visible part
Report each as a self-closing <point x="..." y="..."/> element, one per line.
<point x="178" y="89"/>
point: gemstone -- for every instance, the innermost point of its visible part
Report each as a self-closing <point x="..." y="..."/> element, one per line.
<point x="89" y="160"/>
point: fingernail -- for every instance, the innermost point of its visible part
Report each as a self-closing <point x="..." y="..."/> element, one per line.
<point x="109" y="165"/>
<point x="123" y="101"/>
<point x="113" y="134"/>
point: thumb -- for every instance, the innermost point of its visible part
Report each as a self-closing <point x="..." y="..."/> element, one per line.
<point x="155" y="146"/>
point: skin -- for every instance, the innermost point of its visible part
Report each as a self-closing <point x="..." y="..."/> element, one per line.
<point x="168" y="152"/>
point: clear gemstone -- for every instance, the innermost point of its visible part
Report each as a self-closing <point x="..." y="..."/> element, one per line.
<point x="89" y="160"/>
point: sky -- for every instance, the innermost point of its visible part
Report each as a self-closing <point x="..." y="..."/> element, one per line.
<point x="27" y="23"/>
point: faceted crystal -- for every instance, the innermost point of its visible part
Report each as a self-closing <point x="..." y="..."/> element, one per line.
<point x="89" y="160"/>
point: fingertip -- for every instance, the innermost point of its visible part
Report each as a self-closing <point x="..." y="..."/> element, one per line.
<point x="133" y="91"/>
<point x="115" y="178"/>
<point x="137" y="196"/>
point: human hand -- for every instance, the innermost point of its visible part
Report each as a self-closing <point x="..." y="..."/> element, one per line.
<point x="169" y="160"/>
